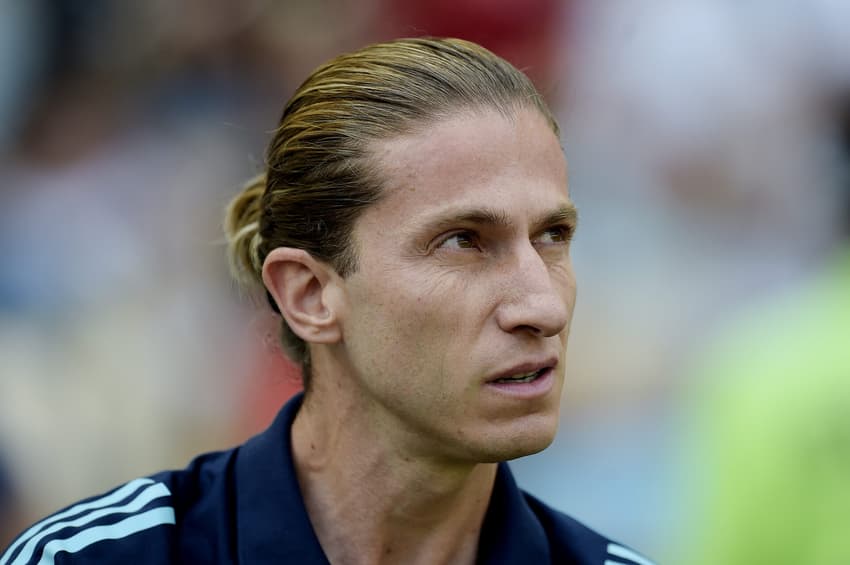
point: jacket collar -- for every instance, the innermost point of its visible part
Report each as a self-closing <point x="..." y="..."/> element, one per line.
<point x="272" y="524"/>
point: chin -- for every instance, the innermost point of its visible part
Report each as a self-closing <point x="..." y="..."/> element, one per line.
<point x="525" y="438"/>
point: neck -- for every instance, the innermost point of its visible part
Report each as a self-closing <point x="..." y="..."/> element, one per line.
<point x="372" y="501"/>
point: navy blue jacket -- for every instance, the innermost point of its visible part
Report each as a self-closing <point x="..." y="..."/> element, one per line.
<point x="244" y="506"/>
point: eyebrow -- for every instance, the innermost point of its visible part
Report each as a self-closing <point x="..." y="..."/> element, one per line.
<point x="566" y="214"/>
<point x="499" y="218"/>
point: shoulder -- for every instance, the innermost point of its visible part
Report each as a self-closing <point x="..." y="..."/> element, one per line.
<point x="136" y="522"/>
<point x="572" y="542"/>
<point x="129" y="518"/>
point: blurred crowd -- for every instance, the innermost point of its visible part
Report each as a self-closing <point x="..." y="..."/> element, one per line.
<point x="704" y="140"/>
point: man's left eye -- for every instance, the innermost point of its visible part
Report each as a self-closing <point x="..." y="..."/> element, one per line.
<point x="557" y="234"/>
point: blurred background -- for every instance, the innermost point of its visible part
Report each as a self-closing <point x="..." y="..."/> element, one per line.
<point x="707" y="412"/>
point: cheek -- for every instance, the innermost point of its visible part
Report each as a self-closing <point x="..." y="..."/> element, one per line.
<point x="568" y="292"/>
<point x="564" y="278"/>
<point x="412" y="319"/>
<point x="386" y="312"/>
<point x="570" y="295"/>
<point x="402" y="348"/>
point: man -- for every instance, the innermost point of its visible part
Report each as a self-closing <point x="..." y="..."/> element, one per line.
<point x="412" y="228"/>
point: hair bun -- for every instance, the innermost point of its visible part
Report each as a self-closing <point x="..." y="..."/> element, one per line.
<point x="242" y="230"/>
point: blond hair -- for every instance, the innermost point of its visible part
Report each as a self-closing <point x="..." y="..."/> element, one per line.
<point x="319" y="175"/>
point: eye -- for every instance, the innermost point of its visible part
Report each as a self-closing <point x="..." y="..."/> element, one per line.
<point x="461" y="241"/>
<point x="555" y="235"/>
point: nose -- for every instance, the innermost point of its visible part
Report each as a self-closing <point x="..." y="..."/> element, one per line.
<point x="536" y="298"/>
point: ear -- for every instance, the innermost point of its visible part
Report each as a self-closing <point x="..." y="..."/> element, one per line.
<point x="302" y="286"/>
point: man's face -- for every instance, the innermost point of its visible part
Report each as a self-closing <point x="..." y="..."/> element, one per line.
<point x="455" y="323"/>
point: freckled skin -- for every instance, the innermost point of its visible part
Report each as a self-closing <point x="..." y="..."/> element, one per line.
<point x="425" y="322"/>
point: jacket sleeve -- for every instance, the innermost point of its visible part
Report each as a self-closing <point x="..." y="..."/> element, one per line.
<point x="133" y="523"/>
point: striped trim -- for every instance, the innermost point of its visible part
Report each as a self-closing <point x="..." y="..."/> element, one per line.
<point x="122" y="529"/>
<point x="149" y="494"/>
<point x="626" y="553"/>
<point x="108" y="500"/>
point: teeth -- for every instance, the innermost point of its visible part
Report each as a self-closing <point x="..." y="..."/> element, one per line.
<point x="521" y="378"/>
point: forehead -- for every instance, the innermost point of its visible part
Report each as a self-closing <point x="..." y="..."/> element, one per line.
<point x="473" y="159"/>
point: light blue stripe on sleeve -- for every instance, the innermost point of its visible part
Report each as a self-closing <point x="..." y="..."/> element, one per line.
<point x="101" y="502"/>
<point x="620" y="551"/>
<point x="122" y="529"/>
<point x="151" y="493"/>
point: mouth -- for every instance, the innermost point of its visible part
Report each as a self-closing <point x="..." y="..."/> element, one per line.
<point x="522" y="377"/>
<point x="526" y="381"/>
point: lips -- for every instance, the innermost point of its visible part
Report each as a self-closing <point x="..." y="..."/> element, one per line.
<point x="522" y="378"/>
<point x="525" y="372"/>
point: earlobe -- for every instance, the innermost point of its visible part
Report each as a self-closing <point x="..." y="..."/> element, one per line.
<point x="300" y="286"/>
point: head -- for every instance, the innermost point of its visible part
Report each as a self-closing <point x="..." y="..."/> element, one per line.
<point x="320" y="168"/>
<point x="413" y="220"/>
